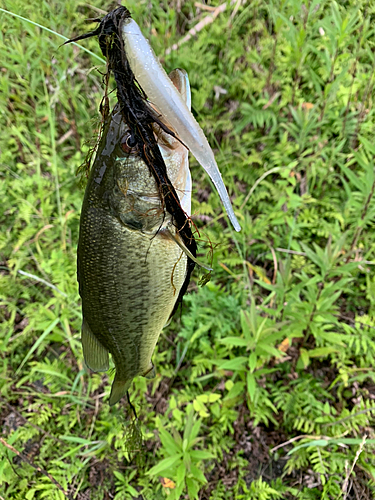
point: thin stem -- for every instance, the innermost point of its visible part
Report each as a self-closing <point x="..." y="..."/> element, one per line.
<point x="41" y="280"/>
<point x="54" y="33"/>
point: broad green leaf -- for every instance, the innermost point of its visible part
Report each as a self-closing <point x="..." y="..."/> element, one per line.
<point x="180" y="475"/>
<point x="164" y="465"/>
<point x="322" y="351"/>
<point x="189" y="425"/>
<point x="193" y="488"/>
<point x="305" y="357"/>
<point x="233" y="364"/>
<point x="213" y="397"/>
<point x="133" y="492"/>
<point x="251" y="385"/>
<point x="169" y="443"/>
<point x="200" y="408"/>
<point x="252" y="361"/>
<point x="236" y="389"/>
<point x="201" y="454"/>
<point x="198" y="474"/>
<point x="119" y="476"/>
<point x="234" y="341"/>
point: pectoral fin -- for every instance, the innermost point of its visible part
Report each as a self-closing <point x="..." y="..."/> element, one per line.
<point x="180" y="243"/>
<point x="168" y="322"/>
<point x="96" y="356"/>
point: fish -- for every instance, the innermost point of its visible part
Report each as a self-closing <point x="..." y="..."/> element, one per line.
<point x="130" y="267"/>
<point x="134" y="259"/>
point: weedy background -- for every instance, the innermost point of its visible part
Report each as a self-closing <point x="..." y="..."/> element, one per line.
<point x="265" y="384"/>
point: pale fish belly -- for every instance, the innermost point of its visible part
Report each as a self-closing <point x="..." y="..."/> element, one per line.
<point x="130" y="281"/>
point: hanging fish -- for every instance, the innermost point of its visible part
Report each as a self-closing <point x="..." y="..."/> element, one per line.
<point x="136" y="250"/>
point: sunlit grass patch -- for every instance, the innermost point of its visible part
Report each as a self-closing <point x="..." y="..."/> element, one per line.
<point x="265" y="383"/>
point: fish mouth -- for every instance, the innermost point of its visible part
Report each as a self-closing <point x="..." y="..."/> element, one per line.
<point x="170" y="104"/>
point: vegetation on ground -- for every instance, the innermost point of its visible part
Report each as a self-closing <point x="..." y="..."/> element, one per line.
<point x="265" y="385"/>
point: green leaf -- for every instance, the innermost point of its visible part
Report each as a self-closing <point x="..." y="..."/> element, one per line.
<point x="193" y="488"/>
<point x="201" y="454"/>
<point x="198" y="474"/>
<point x="269" y="349"/>
<point x="170" y="445"/>
<point x="305" y="357"/>
<point x="188" y="425"/>
<point x="200" y="408"/>
<point x="327" y="442"/>
<point x="233" y="364"/>
<point x="179" y="488"/>
<point x="134" y="493"/>
<point x="353" y="441"/>
<point x="212" y="398"/>
<point x="236" y="389"/>
<point x="322" y="351"/>
<point x="164" y="465"/>
<point x="253" y="361"/>
<point x="317" y="442"/>
<point x="251" y="385"/>
<point x="180" y="475"/>
<point x="119" y="476"/>
<point x="46" y="332"/>
<point x="194" y="432"/>
<point x="237" y="341"/>
<point x="76" y="439"/>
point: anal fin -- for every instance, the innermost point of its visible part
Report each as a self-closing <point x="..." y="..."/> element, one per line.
<point x="96" y="356"/>
<point x="177" y="239"/>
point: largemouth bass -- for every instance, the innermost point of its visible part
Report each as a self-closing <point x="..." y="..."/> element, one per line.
<point x="130" y="267"/>
<point x="136" y="250"/>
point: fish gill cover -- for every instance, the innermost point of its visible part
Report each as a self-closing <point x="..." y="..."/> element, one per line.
<point x="139" y="116"/>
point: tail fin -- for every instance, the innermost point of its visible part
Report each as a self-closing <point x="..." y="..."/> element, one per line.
<point x="118" y="390"/>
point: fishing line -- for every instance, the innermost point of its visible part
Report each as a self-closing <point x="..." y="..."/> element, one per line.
<point x="131" y="406"/>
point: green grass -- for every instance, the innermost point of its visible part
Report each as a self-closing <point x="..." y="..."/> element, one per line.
<point x="265" y="383"/>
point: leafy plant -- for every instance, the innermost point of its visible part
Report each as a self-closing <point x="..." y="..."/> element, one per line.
<point x="182" y="460"/>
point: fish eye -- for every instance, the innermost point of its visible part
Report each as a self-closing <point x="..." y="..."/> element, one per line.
<point x="129" y="143"/>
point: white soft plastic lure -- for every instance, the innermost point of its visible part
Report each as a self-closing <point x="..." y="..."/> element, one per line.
<point x="164" y="96"/>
